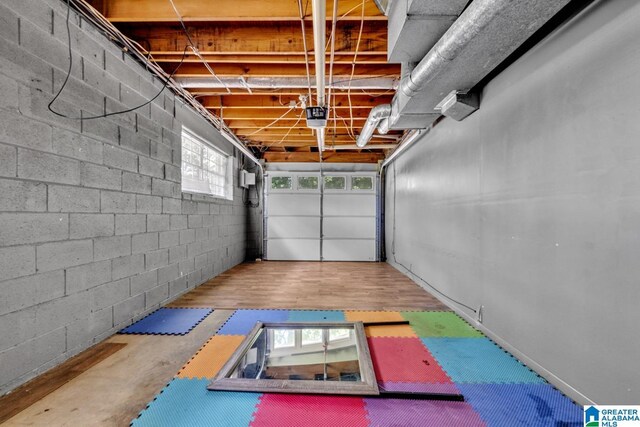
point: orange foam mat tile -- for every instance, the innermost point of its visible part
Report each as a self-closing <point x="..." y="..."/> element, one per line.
<point x="400" y="331"/>
<point x="373" y="316"/>
<point x="212" y="356"/>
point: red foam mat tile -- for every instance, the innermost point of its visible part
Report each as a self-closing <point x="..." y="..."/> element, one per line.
<point x="404" y="360"/>
<point x="294" y="410"/>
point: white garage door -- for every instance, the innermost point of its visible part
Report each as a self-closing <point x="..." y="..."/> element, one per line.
<point x="329" y="216"/>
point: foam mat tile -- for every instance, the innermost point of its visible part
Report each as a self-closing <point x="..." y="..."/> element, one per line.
<point x="294" y="410"/>
<point x="440" y="324"/>
<point x="478" y="361"/>
<point x="373" y="316"/>
<point x="211" y="357"/>
<point x="443" y="388"/>
<point x="168" y="321"/>
<point x="420" y="413"/>
<point x="390" y="331"/>
<point x="531" y="405"/>
<point x="186" y="402"/>
<point x="404" y="360"/>
<point x="242" y="321"/>
<point x="316" y="316"/>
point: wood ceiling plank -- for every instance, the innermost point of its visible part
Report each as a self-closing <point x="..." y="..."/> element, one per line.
<point x="341" y="72"/>
<point x="261" y="101"/>
<point x="271" y="114"/>
<point x="226" y="10"/>
<point x="214" y="59"/>
<point x="327" y="156"/>
<point x="255" y="37"/>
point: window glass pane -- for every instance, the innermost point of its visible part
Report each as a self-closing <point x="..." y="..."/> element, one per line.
<point x="204" y="169"/>
<point x="311" y="336"/>
<point x="284" y="338"/>
<point x="334" y="182"/>
<point x="308" y="182"/>
<point x="361" y="183"/>
<point x="281" y="182"/>
<point x="338" y="334"/>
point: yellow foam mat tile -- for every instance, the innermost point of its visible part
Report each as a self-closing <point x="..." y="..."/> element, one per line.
<point x="373" y="316"/>
<point x="212" y="356"/>
<point x="398" y="331"/>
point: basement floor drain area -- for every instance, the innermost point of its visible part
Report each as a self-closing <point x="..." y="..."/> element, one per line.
<point x="442" y="354"/>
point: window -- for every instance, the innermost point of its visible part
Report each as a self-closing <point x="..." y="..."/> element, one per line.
<point x="338" y="334"/>
<point x="307" y="182"/>
<point x="361" y="183"/>
<point x="334" y="182"/>
<point x="204" y="168"/>
<point x="281" y="182"/>
<point x="283" y="338"/>
<point x="311" y="336"/>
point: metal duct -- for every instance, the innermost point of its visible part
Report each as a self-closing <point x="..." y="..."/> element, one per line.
<point x="484" y="35"/>
<point x="378" y="113"/>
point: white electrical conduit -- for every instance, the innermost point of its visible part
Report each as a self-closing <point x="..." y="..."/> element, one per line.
<point x="319" y="11"/>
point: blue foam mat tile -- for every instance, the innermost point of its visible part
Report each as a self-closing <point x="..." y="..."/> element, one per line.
<point x="478" y="360"/>
<point x="527" y="405"/>
<point x="187" y="402"/>
<point x="242" y="321"/>
<point x="316" y="316"/>
<point x="169" y="321"/>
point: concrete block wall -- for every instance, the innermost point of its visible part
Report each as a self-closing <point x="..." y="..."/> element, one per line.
<point x="94" y="229"/>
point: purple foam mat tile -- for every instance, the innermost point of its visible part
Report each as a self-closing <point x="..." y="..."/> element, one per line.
<point x="443" y="388"/>
<point x="420" y="413"/>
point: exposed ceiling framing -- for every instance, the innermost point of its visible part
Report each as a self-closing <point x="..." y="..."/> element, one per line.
<point x="257" y="39"/>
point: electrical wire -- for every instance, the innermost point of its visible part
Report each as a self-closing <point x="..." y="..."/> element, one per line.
<point x="266" y="147"/>
<point x="304" y="45"/>
<point x="333" y="51"/>
<point x="194" y="48"/>
<point x="273" y="122"/>
<point x="393" y="251"/>
<point x="68" y="76"/>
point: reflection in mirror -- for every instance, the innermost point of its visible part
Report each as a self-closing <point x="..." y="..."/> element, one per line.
<point x="301" y="357"/>
<point x="315" y="354"/>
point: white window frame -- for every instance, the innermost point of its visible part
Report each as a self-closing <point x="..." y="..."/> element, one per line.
<point x="202" y="186"/>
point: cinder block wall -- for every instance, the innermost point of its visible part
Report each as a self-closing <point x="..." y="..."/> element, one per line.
<point x="94" y="230"/>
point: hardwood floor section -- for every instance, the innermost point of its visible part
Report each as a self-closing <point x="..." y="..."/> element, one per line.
<point x="311" y="285"/>
<point x="36" y="389"/>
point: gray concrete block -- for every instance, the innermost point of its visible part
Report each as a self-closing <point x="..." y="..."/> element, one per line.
<point x="194" y="249"/>
<point x="61" y="312"/>
<point x="178" y="222"/>
<point x="156" y="296"/>
<point x="214" y="209"/>
<point x="189" y="207"/>
<point x="24" y="228"/>
<point x="169" y="239"/>
<point x="8" y="24"/>
<point x="24" y="292"/>
<point x="195" y="221"/>
<point x="200" y="261"/>
<point x="177" y="286"/>
<point x="21" y="196"/>
<point x="17" y="261"/>
<point x="127" y="266"/>
<point x="82" y="226"/>
<point x="202" y="234"/>
<point x="137" y="142"/>
<point x="151" y="167"/>
<point x="87" y="276"/>
<point x="112" y="247"/>
<point x="187" y="266"/>
<point x="54" y="256"/>
<point x="173" y="173"/>
<point x="161" y="187"/>
<point x="30" y="355"/>
<point x="161" y="152"/>
<point x="194" y="279"/>
<point x="171" y="206"/>
<point x="148" y="204"/>
<point x="78" y="146"/>
<point x="177" y="253"/>
<point x="208" y="220"/>
<point x="141" y="243"/>
<point x="144" y="282"/>
<point x="203" y="208"/>
<point x="117" y="202"/>
<point x="187" y="236"/>
<point x="136" y="183"/>
<point x="125" y="74"/>
<point x="8" y="160"/>
<point x="86" y="331"/>
<point x="9" y="88"/>
<point x="73" y="199"/>
<point x="40" y="166"/>
<point x="156" y="259"/>
<point x="121" y="159"/>
<point x="100" y="177"/>
<point x="100" y="80"/>
<point x="126" y="310"/>
<point x="168" y="273"/>
<point x="157" y="222"/>
<point x="107" y="295"/>
<point x="130" y="224"/>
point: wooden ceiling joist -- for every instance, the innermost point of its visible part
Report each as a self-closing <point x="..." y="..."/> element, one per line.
<point x="283" y="102"/>
<point x="227" y="10"/>
<point x="327" y="156"/>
